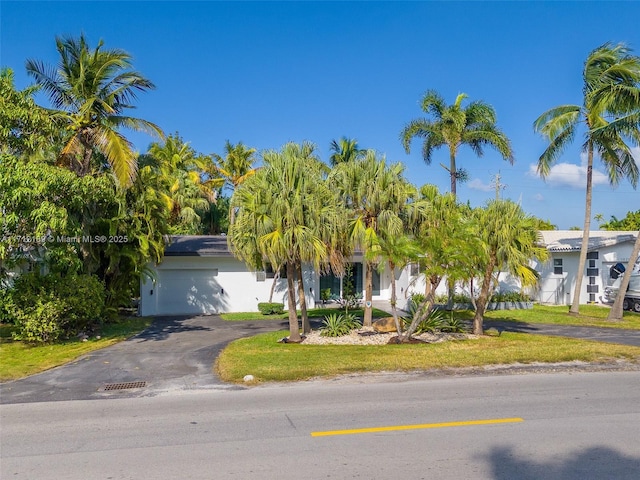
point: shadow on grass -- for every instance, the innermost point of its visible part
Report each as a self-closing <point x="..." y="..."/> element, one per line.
<point x="591" y="463"/>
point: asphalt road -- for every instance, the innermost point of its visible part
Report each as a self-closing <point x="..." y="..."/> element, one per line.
<point x="558" y="426"/>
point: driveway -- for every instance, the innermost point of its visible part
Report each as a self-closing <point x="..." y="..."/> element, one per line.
<point x="174" y="353"/>
<point x="177" y="353"/>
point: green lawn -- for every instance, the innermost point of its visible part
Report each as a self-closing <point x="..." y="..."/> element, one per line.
<point x="267" y="360"/>
<point x="590" y="315"/>
<point x="20" y="359"/>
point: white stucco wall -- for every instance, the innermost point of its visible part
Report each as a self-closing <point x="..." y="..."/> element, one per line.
<point x="229" y="287"/>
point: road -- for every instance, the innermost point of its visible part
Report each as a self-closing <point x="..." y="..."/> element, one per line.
<point x="559" y="426"/>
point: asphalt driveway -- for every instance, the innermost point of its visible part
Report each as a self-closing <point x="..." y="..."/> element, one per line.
<point x="174" y="353"/>
<point x="177" y="353"/>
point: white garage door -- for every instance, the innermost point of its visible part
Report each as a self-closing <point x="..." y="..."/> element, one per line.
<point x="187" y="292"/>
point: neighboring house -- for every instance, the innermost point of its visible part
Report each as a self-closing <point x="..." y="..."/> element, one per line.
<point x="199" y="275"/>
<point x="558" y="275"/>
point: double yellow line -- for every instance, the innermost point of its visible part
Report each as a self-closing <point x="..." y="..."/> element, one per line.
<point x="417" y="427"/>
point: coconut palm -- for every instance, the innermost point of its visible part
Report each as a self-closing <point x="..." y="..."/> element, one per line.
<point x="610" y="115"/>
<point x="453" y="126"/>
<point x="510" y="241"/>
<point x="90" y="89"/>
<point x="234" y="168"/>
<point x="179" y="182"/>
<point x="285" y="213"/>
<point x="345" y="150"/>
<point x="375" y="195"/>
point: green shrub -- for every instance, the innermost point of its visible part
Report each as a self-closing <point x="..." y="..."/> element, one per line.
<point x="325" y="294"/>
<point x="338" y="324"/>
<point x="452" y="325"/>
<point x="509" y="297"/>
<point x="7" y="309"/>
<point x="41" y="323"/>
<point x="433" y="323"/>
<point x="457" y="298"/>
<point x="267" y="308"/>
<point x="49" y="307"/>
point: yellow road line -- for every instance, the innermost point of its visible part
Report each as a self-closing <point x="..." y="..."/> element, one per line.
<point x="417" y="427"/>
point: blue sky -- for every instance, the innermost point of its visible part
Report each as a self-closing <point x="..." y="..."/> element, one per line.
<point x="270" y="72"/>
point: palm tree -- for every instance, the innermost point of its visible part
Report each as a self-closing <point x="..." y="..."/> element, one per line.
<point x="397" y="251"/>
<point x="454" y="126"/>
<point x="285" y="215"/>
<point x="234" y="168"/>
<point x="610" y="113"/>
<point x="375" y="195"/>
<point x="90" y="90"/>
<point x="179" y="182"/>
<point x="345" y="150"/>
<point x="510" y="240"/>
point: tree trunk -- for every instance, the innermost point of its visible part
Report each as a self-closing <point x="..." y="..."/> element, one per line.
<point x="294" y="330"/>
<point x="368" y="294"/>
<point x="276" y="276"/>
<point x="394" y="299"/>
<point x="575" y="305"/>
<point x="483" y="298"/>
<point x="453" y="172"/>
<point x="306" y="327"/>
<point x="616" y="310"/>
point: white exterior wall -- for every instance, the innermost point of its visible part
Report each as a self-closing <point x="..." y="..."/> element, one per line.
<point x="208" y="285"/>
<point x="559" y="289"/>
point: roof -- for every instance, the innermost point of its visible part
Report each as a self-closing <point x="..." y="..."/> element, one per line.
<point x="571" y="240"/>
<point x="197" y="246"/>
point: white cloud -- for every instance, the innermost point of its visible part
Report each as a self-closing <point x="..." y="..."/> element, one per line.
<point x="538" y="197"/>
<point x="477" y="184"/>
<point x="571" y="175"/>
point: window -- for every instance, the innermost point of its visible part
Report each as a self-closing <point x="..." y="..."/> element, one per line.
<point x="557" y="266"/>
<point x="592" y="264"/>
<point x="414" y="270"/>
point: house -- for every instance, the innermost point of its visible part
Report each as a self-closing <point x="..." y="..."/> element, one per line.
<point x="199" y="275"/>
<point x="558" y="275"/>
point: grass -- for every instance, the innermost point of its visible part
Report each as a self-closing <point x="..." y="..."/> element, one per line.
<point x="312" y="312"/>
<point x="267" y="360"/>
<point x="590" y="315"/>
<point x="20" y="359"/>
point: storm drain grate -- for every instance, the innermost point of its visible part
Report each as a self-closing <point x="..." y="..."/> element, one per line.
<point x="124" y="386"/>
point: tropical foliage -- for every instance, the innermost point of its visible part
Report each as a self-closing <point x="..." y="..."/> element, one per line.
<point x="452" y="126"/>
<point x="83" y="214"/>
<point x="287" y="215"/>
<point x="90" y="90"/>
<point x="610" y="118"/>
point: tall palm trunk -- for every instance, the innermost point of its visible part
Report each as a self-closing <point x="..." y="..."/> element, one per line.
<point x="483" y="298"/>
<point x="368" y="294"/>
<point x="294" y="330"/>
<point x="452" y="172"/>
<point x="306" y="326"/>
<point x="616" y="310"/>
<point x="575" y="305"/>
<point x="394" y="299"/>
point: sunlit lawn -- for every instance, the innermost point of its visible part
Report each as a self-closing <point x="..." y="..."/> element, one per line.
<point x="590" y="315"/>
<point x="267" y="360"/>
<point x="18" y="359"/>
